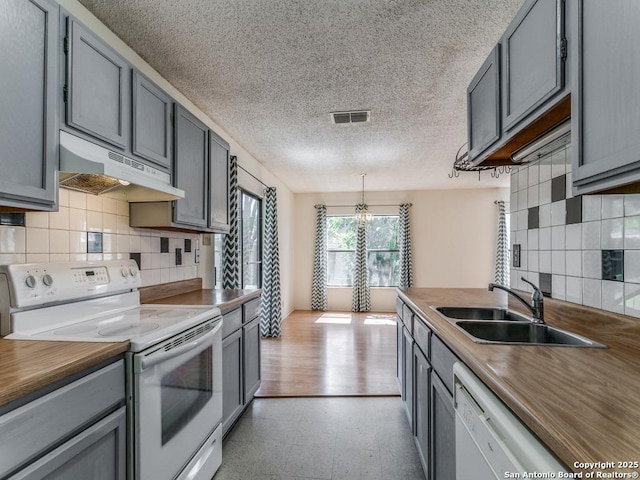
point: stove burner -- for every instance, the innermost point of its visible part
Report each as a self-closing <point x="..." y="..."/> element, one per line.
<point x="75" y="329"/>
<point x="170" y="314"/>
<point x="128" y="329"/>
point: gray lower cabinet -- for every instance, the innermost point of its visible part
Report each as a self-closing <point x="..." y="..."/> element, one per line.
<point x="483" y="106"/>
<point x="77" y="430"/>
<point x="191" y="170"/>
<point x="28" y="117"/>
<point x="533" y="60"/>
<point x="422" y="404"/>
<point x="97" y="90"/>
<point x="218" y="183"/>
<point x="605" y="96"/>
<point x="399" y="355"/>
<point x="442" y="426"/>
<point x="152" y="129"/>
<point x="232" y="379"/>
<point x="241" y="363"/>
<point x="251" y="345"/>
<point x="407" y="383"/>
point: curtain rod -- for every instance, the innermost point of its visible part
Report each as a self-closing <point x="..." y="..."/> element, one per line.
<point x="369" y="205"/>
<point x="252" y="175"/>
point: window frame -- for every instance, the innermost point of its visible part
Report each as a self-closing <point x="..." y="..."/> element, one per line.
<point x="241" y="262"/>
<point x="369" y="250"/>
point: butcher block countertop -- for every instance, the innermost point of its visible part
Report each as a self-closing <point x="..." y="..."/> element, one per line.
<point x="583" y="403"/>
<point x="225" y="300"/>
<point x="29" y="365"/>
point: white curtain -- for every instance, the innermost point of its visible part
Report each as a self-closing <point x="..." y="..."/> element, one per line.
<point x="502" y="276"/>
<point x="404" y="245"/>
<point x="361" y="301"/>
<point x="271" y="308"/>
<point x="319" y="284"/>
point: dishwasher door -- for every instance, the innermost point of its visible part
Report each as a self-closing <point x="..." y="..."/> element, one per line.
<point x="491" y="442"/>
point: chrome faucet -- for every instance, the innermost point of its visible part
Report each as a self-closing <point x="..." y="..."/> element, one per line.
<point x="536" y="306"/>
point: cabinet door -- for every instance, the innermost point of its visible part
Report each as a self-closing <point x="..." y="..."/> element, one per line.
<point x="483" y="105"/>
<point x="422" y="401"/>
<point x="98" y="87"/>
<point x="151" y="117"/>
<point x="98" y="453"/>
<point x="191" y="169"/>
<point x="251" y="345"/>
<point x="28" y="125"/>
<point x="443" y="428"/>
<point x="399" y="356"/>
<point x="407" y="360"/>
<point x="534" y="55"/>
<point x="218" y="183"/>
<point x="605" y="95"/>
<point x="232" y="397"/>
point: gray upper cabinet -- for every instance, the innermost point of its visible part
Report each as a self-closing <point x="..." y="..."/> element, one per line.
<point x="151" y="122"/>
<point x="98" y="93"/>
<point x="218" y="183"/>
<point x="605" y="95"/>
<point x="191" y="170"/>
<point x="483" y="106"/>
<point x="534" y="52"/>
<point x="28" y="99"/>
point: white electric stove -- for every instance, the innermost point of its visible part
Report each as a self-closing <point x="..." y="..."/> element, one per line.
<point x="174" y="364"/>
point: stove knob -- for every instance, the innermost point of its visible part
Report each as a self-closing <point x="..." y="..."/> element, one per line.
<point x="133" y="272"/>
<point x="124" y="272"/>
<point x="47" y="280"/>
<point x="31" y="281"/>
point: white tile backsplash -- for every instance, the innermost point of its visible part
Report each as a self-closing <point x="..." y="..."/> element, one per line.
<point x="572" y="253"/>
<point x="62" y="237"/>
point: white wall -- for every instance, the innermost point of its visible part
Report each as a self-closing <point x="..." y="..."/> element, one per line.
<point x="285" y="196"/>
<point x="453" y="234"/>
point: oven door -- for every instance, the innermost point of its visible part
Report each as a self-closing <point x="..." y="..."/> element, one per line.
<point x="177" y="401"/>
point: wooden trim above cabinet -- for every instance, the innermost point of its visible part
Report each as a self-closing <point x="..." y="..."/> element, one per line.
<point x="560" y="112"/>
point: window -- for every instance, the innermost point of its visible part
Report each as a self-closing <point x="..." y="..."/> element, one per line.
<point x="382" y="250"/>
<point x="250" y="216"/>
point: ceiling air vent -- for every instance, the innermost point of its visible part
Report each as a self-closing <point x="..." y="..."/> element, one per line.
<point x="347" y="118"/>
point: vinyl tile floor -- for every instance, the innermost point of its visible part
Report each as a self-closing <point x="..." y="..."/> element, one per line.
<point x="330" y="438"/>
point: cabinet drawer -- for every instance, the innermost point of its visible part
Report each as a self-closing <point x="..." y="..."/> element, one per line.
<point x="399" y="306"/>
<point x="442" y="360"/>
<point x="28" y="431"/>
<point x="407" y="318"/>
<point x="251" y="309"/>
<point x="421" y="334"/>
<point x="232" y="321"/>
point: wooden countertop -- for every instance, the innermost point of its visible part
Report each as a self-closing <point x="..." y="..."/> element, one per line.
<point x="583" y="403"/>
<point x="29" y="365"/>
<point x="225" y="300"/>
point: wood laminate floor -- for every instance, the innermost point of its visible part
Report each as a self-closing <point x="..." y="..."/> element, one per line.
<point x="332" y="354"/>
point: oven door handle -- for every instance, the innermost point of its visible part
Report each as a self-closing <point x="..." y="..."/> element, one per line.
<point x="154" y="359"/>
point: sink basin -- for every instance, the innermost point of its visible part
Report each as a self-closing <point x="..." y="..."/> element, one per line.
<point x="523" y="333"/>
<point x="481" y="313"/>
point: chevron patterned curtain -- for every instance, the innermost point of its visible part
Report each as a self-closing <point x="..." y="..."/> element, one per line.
<point x="361" y="301"/>
<point x="404" y="245"/>
<point x="502" y="250"/>
<point x="231" y="250"/>
<point x="271" y="308"/>
<point x="319" y="285"/>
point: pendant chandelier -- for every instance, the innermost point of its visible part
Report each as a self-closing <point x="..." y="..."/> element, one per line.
<point x="363" y="215"/>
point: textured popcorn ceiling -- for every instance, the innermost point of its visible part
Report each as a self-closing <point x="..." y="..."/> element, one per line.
<point x="270" y="71"/>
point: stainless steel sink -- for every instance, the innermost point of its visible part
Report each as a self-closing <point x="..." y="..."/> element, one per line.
<point x="523" y="333"/>
<point x="481" y="313"/>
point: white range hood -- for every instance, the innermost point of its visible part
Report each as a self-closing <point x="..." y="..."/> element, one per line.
<point x="90" y="168"/>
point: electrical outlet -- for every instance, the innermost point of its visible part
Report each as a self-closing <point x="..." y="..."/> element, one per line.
<point x="206" y="239"/>
<point x="516" y="255"/>
<point x="178" y="256"/>
<point x="197" y="255"/>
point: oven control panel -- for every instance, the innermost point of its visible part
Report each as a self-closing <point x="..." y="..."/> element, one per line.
<point x="35" y="284"/>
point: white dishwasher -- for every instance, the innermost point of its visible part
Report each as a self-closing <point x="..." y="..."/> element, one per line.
<point x="490" y="440"/>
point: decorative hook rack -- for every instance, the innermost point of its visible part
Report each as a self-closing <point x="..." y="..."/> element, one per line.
<point x="462" y="164"/>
